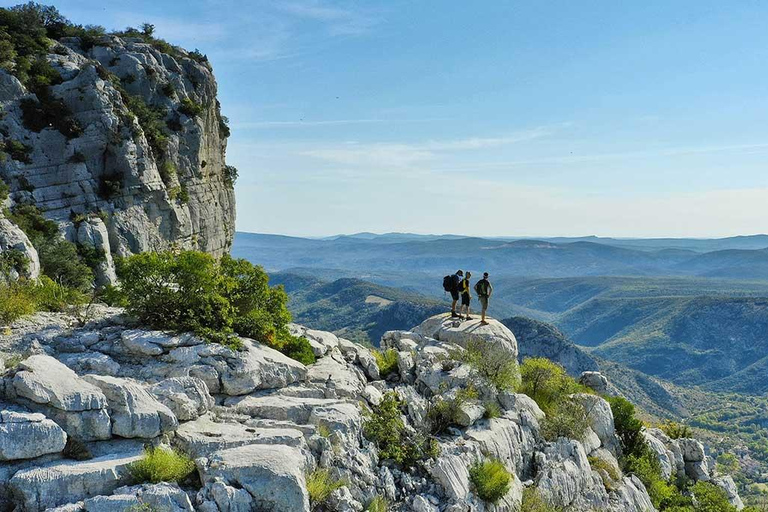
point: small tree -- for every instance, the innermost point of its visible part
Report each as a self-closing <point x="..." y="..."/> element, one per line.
<point x="148" y="29"/>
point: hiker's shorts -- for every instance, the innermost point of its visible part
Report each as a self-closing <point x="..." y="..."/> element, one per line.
<point x="465" y="299"/>
<point x="455" y="295"/>
<point x="483" y="302"/>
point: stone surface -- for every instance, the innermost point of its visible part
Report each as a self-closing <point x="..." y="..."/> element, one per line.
<point x="59" y="483"/>
<point x="134" y="412"/>
<point x="50" y="387"/>
<point x="26" y="435"/>
<point x="187" y="397"/>
<point x="272" y="476"/>
<point x="444" y="328"/>
<point x="594" y="380"/>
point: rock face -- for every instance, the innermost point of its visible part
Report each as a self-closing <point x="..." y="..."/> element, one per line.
<point x="115" y="185"/>
<point x="79" y="411"/>
<point x="12" y="238"/>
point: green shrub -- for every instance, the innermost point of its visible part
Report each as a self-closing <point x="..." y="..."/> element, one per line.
<point x="533" y="502"/>
<point x="711" y="498"/>
<point x="5" y="191"/>
<point x="110" y="185"/>
<point x="675" y="430"/>
<point x="50" y="295"/>
<point x="49" y="111"/>
<point x="490" y="480"/>
<point x="566" y="419"/>
<point x="230" y="175"/>
<point x="160" y="465"/>
<point x="59" y="259"/>
<point x="320" y="486"/>
<point x="608" y="473"/>
<point x="296" y="348"/>
<point x="443" y="412"/>
<point x="167" y="172"/>
<point x="386" y="361"/>
<point x="377" y="504"/>
<point x="168" y="89"/>
<point x="190" y="108"/>
<point x="492" y="363"/>
<point x="150" y="118"/>
<point x="492" y="410"/>
<point x="728" y="464"/>
<point x="547" y="383"/>
<point x="12" y="260"/>
<point x="224" y="130"/>
<point x="18" y="150"/>
<point x="628" y="427"/>
<point x="191" y="291"/>
<point x="385" y="427"/>
<point x="16" y="300"/>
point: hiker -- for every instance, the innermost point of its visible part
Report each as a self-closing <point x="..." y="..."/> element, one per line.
<point x="451" y="285"/>
<point x="484" y="290"/>
<point x="465" y="295"/>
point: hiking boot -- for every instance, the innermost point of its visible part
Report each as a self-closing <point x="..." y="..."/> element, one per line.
<point x="484" y="323"/>
<point x="454" y="315"/>
<point x="469" y="317"/>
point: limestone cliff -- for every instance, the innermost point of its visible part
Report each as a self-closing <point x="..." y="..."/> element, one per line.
<point x="126" y="150"/>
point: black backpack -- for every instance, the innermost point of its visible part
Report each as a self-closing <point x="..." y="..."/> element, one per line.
<point x="481" y="288"/>
<point x="448" y="283"/>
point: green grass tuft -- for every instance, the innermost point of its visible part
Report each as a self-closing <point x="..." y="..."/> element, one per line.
<point x="490" y="480"/>
<point x="320" y="486"/>
<point x="161" y="465"/>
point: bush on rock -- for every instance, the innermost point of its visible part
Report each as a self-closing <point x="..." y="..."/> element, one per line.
<point x="320" y="486"/>
<point x="161" y="465"/>
<point x="192" y="291"/>
<point x="395" y="441"/>
<point x="490" y="480"/>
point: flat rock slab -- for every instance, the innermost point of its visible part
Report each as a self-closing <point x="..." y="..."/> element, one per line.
<point x="44" y="380"/>
<point x="187" y="397"/>
<point x="278" y="407"/>
<point x="273" y="477"/>
<point x="28" y="435"/>
<point x="204" y="436"/>
<point x="60" y="483"/>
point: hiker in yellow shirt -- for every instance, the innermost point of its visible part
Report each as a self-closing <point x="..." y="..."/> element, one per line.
<point x="465" y="294"/>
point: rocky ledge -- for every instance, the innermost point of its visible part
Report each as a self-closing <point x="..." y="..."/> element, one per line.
<point x="257" y="423"/>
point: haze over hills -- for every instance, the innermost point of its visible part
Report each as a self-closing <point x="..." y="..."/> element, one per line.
<point x="659" y="311"/>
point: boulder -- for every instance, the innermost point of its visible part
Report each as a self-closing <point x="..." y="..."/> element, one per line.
<point x="272" y="477"/>
<point x="187" y="397"/>
<point x="594" y="380"/>
<point x="348" y="381"/>
<point x="26" y="435"/>
<point x="134" y="412"/>
<point x="58" y="483"/>
<point x="444" y="328"/>
<point x="600" y="417"/>
<point x="79" y="407"/>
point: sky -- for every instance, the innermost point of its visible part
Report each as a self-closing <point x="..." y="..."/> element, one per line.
<point x="529" y="118"/>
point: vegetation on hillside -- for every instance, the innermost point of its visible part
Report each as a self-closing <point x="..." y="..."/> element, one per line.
<point x="384" y="426"/>
<point x="192" y="291"/>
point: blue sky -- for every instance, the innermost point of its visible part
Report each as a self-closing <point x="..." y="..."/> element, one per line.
<point x="484" y="118"/>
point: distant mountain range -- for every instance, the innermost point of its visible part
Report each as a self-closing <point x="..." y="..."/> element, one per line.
<point x="732" y="258"/>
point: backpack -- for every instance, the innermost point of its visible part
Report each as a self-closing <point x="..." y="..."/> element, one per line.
<point x="481" y="288"/>
<point x="448" y="283"/>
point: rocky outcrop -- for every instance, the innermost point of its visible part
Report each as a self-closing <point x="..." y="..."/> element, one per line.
<point x="258" y="424"/>
<point x="123" y="183"/>
<point x="13" y="239"/>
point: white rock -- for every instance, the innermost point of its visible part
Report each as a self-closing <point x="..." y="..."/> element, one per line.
<point x="27" y="435"/>
<point x="187" y="397"/>
<point x="135" y="412"/>
<point x="443" y="328"/>
<point x="273" y="476"/>
<point x="58" y="483"/>
<point x="727" y="484"/>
